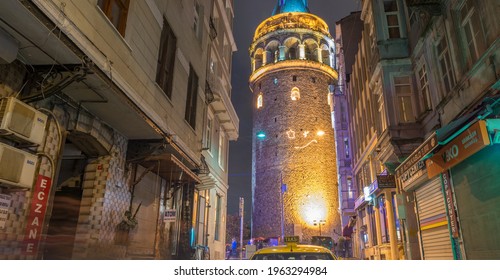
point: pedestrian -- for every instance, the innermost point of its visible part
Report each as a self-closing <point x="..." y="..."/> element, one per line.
<point x="234" y="246"/>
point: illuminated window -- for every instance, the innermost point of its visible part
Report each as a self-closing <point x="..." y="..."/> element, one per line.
<point x="295" y="94"/>
<point x="402" y="86"/>
<point x="259" y="101"/>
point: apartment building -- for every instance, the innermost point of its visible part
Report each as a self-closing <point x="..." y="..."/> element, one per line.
<point x="118" y="168"/>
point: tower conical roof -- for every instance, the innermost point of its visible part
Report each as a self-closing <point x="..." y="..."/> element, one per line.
<point x="290" y="6"/>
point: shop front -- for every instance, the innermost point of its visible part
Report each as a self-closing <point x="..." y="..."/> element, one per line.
<point x="469" y="167"/>
<point x="450" y="181"/>
<point x="377" y="226"/>
<point x="424" y="215"/>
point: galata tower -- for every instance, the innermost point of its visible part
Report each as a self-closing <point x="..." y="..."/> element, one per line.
<point x="294" y="172"/>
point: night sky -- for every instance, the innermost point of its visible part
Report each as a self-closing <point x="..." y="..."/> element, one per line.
<point x="248" y="15"/>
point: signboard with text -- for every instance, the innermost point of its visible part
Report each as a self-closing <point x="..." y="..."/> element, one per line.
<point x="170" y="215"/>
<point x="464" y="145"/>
<point x="5" y="201"/>
<point x="450" y="205"/>
<point x="36" y="215"/>
<point x="386" y="181"/>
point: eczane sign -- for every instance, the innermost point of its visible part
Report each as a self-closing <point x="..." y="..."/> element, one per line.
<point x="36" y="216"/>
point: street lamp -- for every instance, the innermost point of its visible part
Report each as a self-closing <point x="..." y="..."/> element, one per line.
<point x="319" y="223"/>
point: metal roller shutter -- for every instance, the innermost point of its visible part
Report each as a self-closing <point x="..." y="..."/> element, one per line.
<point x="435" y="236"/>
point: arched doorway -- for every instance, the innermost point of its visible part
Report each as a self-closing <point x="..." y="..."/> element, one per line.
<point x="66" y="205"/>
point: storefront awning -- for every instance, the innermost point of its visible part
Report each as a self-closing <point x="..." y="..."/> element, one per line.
<point x="169" y="167"/>
<point x="414" y="165"/>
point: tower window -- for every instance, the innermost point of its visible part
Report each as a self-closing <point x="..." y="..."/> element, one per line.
<point x="275" y="81"/>
<point x="259" y="101"/>
<point x="294" y="78"/>
<point x="295" y="94"/>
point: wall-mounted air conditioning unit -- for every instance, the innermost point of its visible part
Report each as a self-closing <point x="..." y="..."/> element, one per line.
<point x="21" y="122"/>
<point x="17" y="167"/>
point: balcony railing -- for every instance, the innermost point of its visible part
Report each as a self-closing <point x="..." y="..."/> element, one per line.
<point x="411" y="3"/>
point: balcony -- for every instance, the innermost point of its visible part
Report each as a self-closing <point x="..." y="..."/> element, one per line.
<point x="421" y="13"/>
<point x="412" y="3"/>
<point x="223" y="107"/>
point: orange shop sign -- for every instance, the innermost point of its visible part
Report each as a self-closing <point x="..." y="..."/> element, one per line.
<point x="463" y="146"/>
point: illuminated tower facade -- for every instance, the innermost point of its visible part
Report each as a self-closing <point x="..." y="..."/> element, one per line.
<point x="294" y="175"/>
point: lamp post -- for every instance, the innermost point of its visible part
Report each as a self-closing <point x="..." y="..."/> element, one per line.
<point x="319" y="223"/>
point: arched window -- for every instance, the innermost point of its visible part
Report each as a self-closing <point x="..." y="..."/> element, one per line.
<point x="258" y="59"/>
<point x="295" y="94"/>
<point x="259" y="101"/>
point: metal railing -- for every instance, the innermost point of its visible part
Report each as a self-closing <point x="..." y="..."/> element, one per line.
<point x="201" y="252"/>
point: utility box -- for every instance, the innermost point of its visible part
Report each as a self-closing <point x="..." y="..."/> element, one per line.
<point x="17" y="167"/>
<point x="21" y="122"/>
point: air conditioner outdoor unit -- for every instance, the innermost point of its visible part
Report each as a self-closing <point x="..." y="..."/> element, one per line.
<point x="17" y="167"/>
<point x="21" y="122"/>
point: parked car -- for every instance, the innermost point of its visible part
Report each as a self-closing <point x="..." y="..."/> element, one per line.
<point x="294" y="251"/>
<point x="325" y="241"/>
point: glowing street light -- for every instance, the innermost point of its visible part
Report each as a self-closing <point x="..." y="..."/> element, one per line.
<point x="261" y="135"/>
<point x="319" y="223"/>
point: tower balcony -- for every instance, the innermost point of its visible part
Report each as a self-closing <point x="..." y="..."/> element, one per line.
<point x="293" y="64"/>
<point x="291" y="21"/>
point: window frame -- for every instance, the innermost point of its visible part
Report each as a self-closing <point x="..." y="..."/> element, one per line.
<point x="209" y="133"/>
<point x="198" y="19"/>
<point x="403" y="117"/>
<point x="424" y="87"/>
<point x="192" y="97"/>
<point x="260" y="101"/>
<point x="295" y="94"/>
<point x="392" y="13"/>
<point x="106" y="6"/>
<point x="444" y="56"/>
<point x="222" y="150"/>
<point x="471" y="22"/>
<point x="166" y="59"/>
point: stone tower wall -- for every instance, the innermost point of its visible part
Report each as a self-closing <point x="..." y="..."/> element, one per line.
<point x="292" y="152"/>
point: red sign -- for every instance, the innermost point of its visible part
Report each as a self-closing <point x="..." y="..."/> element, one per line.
<point x="36" y="215"/>
<point x="450" y="205"/>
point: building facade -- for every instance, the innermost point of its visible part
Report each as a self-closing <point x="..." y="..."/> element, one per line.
<point x="383" y="125"/>
<point x="423" y="118"/>
<point x="348" y="32"/>
<point x="221" y="126"/>
<point x="294" y="184"/>
<point x="119" y="169"/>
<point x="449" y="179"/>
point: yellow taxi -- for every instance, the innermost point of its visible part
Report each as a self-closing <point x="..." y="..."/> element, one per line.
<point x="294" y="251"/>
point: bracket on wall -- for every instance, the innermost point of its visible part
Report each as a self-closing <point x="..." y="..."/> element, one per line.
<point x="47" y="80"/>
